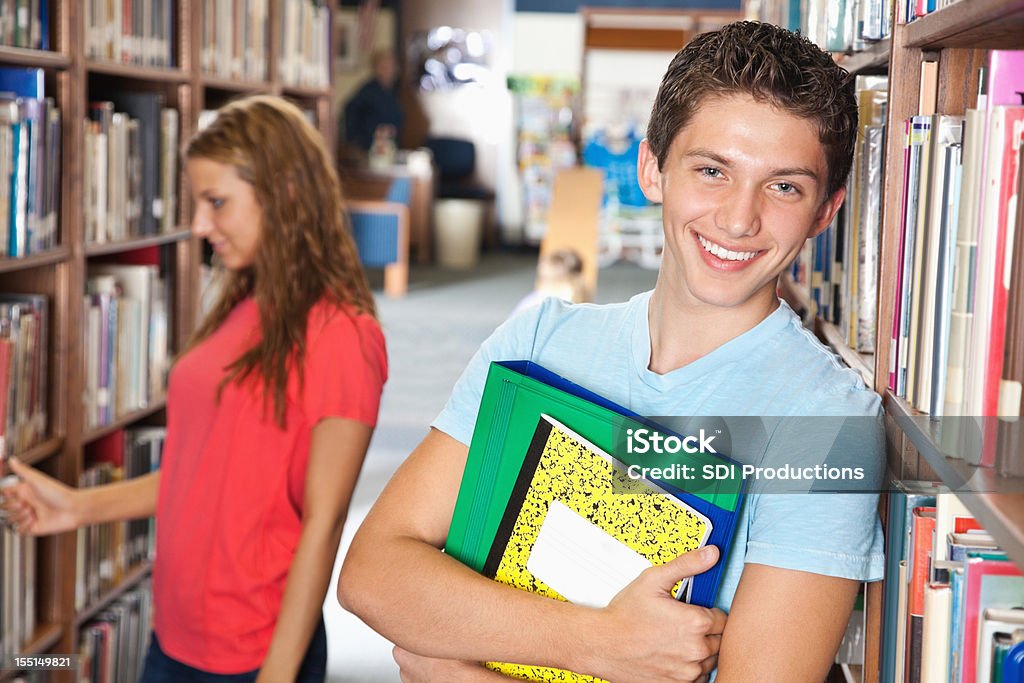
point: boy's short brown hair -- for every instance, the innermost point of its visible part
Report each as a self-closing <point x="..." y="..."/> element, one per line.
<point x="770" y="64"/>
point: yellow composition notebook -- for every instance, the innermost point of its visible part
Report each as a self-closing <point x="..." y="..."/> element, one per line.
<point x="577" y="527"/>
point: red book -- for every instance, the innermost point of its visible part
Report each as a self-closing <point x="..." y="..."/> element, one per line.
<point x="988" y="583"/>
<point x="922" y="531"/>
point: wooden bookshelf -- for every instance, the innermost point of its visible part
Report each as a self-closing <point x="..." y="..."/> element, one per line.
<point x="139" y="73"/>
<point x="74" y="79"/>
<point x="969" y="24"/>
<point x="874" y="58"/>
<point x="41" y="642"/>
<point x="48" y="257"/>
<point x="130" y="580"/>
<point x="42" y="451"/>
<point x="136" y="243"/>
<point x="20" y="56"/>
<point x="959" y="37"/>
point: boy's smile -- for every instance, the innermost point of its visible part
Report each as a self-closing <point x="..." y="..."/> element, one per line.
<point x="742" y="188"/>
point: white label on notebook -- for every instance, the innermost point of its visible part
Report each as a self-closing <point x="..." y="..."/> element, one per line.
<point x="581" y="562"/>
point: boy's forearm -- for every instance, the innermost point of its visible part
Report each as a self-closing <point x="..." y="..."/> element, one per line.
<point x="132" y="499"/>
<point x="430" y="604"/>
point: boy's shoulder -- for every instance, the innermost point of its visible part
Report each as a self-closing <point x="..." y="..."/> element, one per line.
<point x="827" y="385"/>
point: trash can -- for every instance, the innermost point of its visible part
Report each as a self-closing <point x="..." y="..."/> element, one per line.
<point x="458" y="224"/>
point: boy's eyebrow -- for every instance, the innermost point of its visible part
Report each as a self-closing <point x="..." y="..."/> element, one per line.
<point x="722" y="161"/>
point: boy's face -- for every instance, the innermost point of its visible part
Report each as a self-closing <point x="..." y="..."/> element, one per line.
<point x="743" y="187"/>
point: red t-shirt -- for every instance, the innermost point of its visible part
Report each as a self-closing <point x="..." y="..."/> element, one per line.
<point x="231" y="482"/>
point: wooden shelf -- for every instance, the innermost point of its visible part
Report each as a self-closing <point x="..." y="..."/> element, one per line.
<point x="44" y="258"/>
<point x="304" y="92"/>
<point x="41" y="451"/>
<point x="45" y="637"/>
<point x="123" y="421"/>
<point x="996" y="501"/>
<point x="971" y="24"/>
<point x="21" y="56"/>
<point x="133" y="71"/>
<point x="136" y="243"/>
<point x="864" y="363"/>
<point x="130" y="579"/>
<point x="875" y="58"/>
<point x="230" y="85"/>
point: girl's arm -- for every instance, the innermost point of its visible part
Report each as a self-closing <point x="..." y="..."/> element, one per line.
<point x="39" y="504"/>
<point x="336" y="453"/>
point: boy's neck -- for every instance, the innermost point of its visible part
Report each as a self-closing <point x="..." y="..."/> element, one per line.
<point x="683" y="331"/>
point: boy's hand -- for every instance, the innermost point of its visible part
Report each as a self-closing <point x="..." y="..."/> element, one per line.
<point x="38" y="504"/>
<point x="647" y="635"/>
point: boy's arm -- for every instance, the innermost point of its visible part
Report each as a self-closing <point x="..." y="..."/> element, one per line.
<point x="396" y="579"/>
<point x="784" y="625"/>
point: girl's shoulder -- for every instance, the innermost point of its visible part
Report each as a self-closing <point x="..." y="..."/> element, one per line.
<point x="336" y="321"/>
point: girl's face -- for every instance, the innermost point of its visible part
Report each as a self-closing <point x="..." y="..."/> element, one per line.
<point x="226" y="214"/>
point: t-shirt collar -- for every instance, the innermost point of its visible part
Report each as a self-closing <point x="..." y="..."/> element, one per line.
<point x="730" y="352"/>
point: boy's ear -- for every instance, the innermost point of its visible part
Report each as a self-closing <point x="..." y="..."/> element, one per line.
<point x="648" y="173"/>
<point x="826" y="212"/>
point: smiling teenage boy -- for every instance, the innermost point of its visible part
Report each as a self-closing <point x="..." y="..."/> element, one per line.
<point x="749" y="145"/>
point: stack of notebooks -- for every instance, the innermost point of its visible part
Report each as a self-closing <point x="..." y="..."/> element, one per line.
<point x="548" y="504"/>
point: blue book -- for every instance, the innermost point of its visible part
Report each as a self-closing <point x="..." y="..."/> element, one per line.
<point x="905" y="496"/>
<point x="23" y="82"/>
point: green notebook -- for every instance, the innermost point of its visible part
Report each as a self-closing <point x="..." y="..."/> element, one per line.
<point x="516" y="394"/>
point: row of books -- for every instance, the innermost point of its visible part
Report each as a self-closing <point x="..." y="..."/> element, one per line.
<point x="955" y="334"/>
<point x="909" y="10"/>
<point x="107" y="551"/>
<point x="125" y="338"/>
<point x="954" y="603"/>
<point x="112" y="646"/>
<point x="30" y="144"/>
<point x="130" y="178"/>
<point x="839" y="268"/>
<point x="139" y="32"/>
<point x="305" y="44"/>
<point x="17" y="586"/>
<point x="25" y="23"/>
<point x="24" y="325"/>
<point x="234" y="38"/>
<point x="834" y="25"/>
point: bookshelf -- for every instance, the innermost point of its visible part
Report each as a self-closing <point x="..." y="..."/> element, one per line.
<point x="75" y="75"/>
<point x="958" y="37"/>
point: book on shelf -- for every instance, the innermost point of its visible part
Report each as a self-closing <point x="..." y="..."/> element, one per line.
<point x="136" y="32"/>
<point x="30" y="140"/>
<point x="130" y="170"/>
<point x="125" y="339"/>
<point x="839" y="26"/>
<point x="24" y="328"/>
<point x="948" y="573"/>
<point x="234" y="38"/>
<point x="25" y="24"/>
<point x="106" y="552"/>
<point x="305" y="36"/>
<point x="112" y="645"/>
<point x="18" y="566"/>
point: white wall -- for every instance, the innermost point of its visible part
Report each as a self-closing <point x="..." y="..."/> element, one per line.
<point x="547" y="43"/>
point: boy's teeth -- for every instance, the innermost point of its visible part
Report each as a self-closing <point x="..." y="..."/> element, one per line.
<point x="726" y="254"/>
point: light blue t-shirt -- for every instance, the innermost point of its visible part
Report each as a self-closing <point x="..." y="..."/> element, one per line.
<point x="775" y="369"/>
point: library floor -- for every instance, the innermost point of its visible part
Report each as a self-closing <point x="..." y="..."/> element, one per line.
<point x="431" y="335"/>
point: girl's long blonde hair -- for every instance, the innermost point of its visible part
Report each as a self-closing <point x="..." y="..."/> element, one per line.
<point x="305" y="251"/>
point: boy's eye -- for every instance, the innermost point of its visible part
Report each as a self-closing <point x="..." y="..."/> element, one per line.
<point x="786" y="188"/>
<point x="709" y="172"/>
<point x="216" y="202"/>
